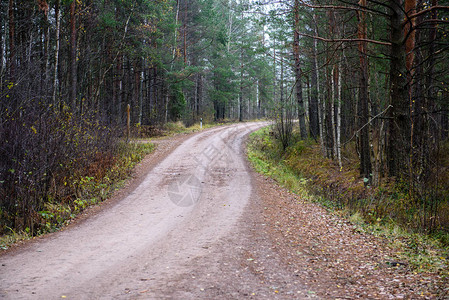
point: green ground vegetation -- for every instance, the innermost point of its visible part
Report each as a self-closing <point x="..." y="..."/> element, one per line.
<point x="383" y="211"/>
<point x="105" y="175"/>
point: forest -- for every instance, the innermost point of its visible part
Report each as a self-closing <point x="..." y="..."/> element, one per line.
<point x="363" y="76"/>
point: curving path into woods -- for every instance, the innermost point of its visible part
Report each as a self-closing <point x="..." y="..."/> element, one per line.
<point x="197" y="223"/>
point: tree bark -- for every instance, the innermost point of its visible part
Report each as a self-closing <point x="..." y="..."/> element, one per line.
<point x="321" y="109"/>
<point x="73" y="73"/>
<point x="2" y="40"/>
<point x="363" y="111"/>
<point x="398" y="148"/>
<point x="298" y="75"/>
<point x="56" y="61"/>
<point x="338" y="125"/>
<point x="334" y="89"/>
<point x="241" y="85"/>
<point x="313" y="105"/>
<point x="328" y="116"/>
<point x="430" y="90"/>
<point x="12" y="49"/>
<point x="46" y="40"/>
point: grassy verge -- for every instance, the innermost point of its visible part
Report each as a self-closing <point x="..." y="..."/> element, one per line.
<point x="173" y="128"/>
<point x="87" y="190"/>
<point x="304" y="171"/>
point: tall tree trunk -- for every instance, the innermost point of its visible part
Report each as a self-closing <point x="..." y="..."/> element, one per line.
<point x="410" y="39"/>
<point x="328" y="116"/>
<point x="274" y="70"/>
<point x="321" y="110"/>
<point x="258" y="99"/>
<point x="46" y="39"/>
<point x="334" y="90"/>
<point x="2" y="40"/>
<point x="430" y="89"/>
<point x="230" y="24"/>
<point x="398" y="148"/>
<point x="12" y="48"/>
<point x="56" y="61"/>
<point x="199" y="93"/>
<point x="142" y="89"/>
<point x="241" y="86"/>
<point x="298" y="75"/>
<point x="363" y="111"/>
<point x="313" y="105"/>
<point x="73" y="73"/>
<point x="338" y="125"/>
<point x="136" y="93"/>
<point x="175" y="40"/>
<point x="151" y="88"/>
<point x="185" y="32"/>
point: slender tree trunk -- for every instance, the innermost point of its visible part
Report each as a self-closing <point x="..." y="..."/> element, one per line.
<point x="136" y="93"/>
<point x="274" y="70"/>
<point x="46" y="33"/>
<point x="241" y="86"/>
<point x="334" y="89"/>
<point x="230" y="24"/>
<point x="298" y="75"/>
<point x="328" y="116"/>
<point x="185" y="32"/>
<point x="363" y="111"/>
<point x="320" y="103"/>
<point x="258" y="99"/>
<point x="112" y="104"/>
<point x="12" y="48"/>
<point x="175" y="40"/>
<point x="73" y="73"/>
<point x="410" y="38"/>
<point x="430" y="89"/>
<point x="2" y="48"/>
<point x="151" y="87"/>
<point x="398" y="148"/>
<point x="313" y="105"/>
<point x="338" y="125"/>
<point x="120" y="97"/>
<point x="199" y="94"/>
<point x="56" y="62"/>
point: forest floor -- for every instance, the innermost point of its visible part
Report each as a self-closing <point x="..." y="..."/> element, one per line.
<point x="196" y="221"/>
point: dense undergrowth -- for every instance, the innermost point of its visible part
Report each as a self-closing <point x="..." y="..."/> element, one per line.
<point x="385" y="210"/>
<point x="55" y="164"/>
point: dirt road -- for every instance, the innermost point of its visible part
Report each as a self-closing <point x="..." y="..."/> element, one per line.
<point x="184" y="209"/>
<point x="197" y="223"/>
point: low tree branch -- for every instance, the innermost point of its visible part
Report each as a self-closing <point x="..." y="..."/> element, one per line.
<point x="345" y="40"/>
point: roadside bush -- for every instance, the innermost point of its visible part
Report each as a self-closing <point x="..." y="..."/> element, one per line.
<point x="44" y="155"/>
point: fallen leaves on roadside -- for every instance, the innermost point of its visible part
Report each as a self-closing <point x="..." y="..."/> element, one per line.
<point x="334" y="258"/>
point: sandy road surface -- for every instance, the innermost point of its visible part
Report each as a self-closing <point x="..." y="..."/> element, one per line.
<point x="196" y="222"/>
<point x="180" y="219"/>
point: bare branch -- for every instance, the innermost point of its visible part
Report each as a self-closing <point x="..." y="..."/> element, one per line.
<point x="424" y="11"/>
<point x="342" y="7"/>
<point x="345" y="40"/>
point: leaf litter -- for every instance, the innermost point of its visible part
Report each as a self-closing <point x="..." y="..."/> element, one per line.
<point x="334" y="259"/>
